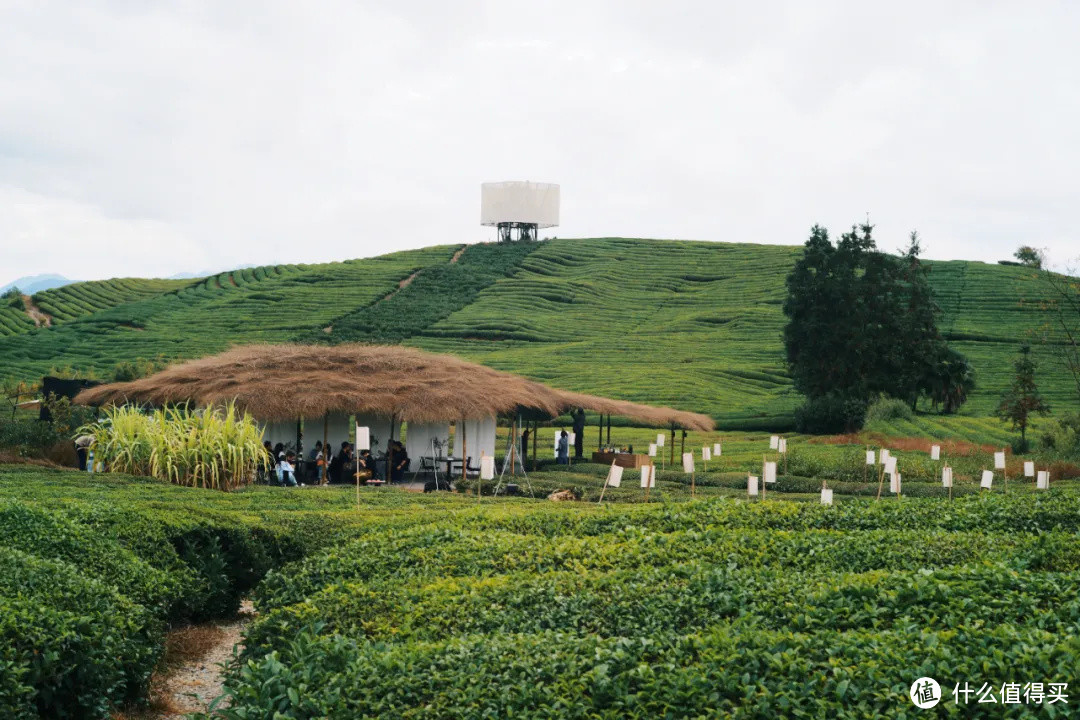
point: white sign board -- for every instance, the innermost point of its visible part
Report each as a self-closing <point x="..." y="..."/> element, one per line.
<point x="652" y="449"/>
<point x="1043" y="481"/>
<point x="487" y="467"/>
<point x="826" y="496"/>
<point x="363" y="438"/>
<point x="870" y="459"/>
<point x="946" y="477"/>
<point x="660" y="439"/>
<point x="935" y="452"/>
<point x="688" y="462"/>
<point x="648" y="476"/>
<point x="770" y="472"/>
<point x="752" y="485"/>
<point x="890" y="465"/>
<point x="894" y="483"/>
<point x="1029" y="469"/>
<point x="987" y="479"/>
<point x="999" y="461"/>
<point x="774" y="442"/>
<point x="717" y="449"/>
<point x="706" y="454"/>
<point x="884" y="455"/>
<point x="615" y="476"/>
<point x="781" y="445"/>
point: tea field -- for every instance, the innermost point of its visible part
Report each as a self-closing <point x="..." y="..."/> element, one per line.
<point x="695" y="325"/>
<point x="434" y="606"/>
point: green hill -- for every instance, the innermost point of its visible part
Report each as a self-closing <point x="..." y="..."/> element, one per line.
<point x="696" y="325"/>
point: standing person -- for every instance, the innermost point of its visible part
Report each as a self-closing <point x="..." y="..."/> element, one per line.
<point x="579" y="433"/>
<point x="271" y="462"/>
<point x="563" y="453"/>
<point x="524" y="445"/>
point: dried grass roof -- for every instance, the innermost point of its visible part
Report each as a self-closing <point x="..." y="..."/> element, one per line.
<point x="281" y="382"/>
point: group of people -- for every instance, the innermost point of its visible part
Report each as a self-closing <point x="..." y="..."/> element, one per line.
<point x="339" y="469"/>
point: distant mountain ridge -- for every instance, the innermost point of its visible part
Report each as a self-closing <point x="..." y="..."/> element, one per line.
<point x="36" y="283"/>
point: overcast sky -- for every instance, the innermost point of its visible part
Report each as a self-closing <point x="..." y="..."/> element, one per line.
<point x="141" y="138"/>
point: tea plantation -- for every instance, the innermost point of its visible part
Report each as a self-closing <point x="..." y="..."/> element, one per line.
<point x="692" y="324"/>
<point x="421" y="606"/>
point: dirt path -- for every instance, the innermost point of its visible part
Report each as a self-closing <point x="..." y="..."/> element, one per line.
<point x="193" y="674"/>
<point x="40" y="318"/>
<point x="458" y="254"/>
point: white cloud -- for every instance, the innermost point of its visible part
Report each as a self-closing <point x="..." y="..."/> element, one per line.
<point x="266" y="132"/>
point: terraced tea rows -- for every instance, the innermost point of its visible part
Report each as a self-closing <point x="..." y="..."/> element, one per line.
<point x="690" y="324"/>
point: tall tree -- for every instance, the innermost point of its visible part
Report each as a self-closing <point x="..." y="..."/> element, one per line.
<point x="862" y="322"/>
<point x="1020" y="401"/>
<point x="1029" y="256"/>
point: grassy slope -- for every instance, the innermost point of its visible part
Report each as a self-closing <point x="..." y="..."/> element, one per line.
<point x="692" y="324"/>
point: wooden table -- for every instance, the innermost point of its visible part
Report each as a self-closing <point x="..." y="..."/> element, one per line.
<point x="626" y="460"/>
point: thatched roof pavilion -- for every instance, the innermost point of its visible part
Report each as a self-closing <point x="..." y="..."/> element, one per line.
<point x="281" y="382"/>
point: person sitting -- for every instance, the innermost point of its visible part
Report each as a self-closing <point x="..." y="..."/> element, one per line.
<point x="563" y="454"/>
<point x="368" y="472"/>
<point x="287" y="471"/>
<point x="401" y="462"/>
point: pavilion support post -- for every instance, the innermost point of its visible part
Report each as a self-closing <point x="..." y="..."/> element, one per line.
<point x="536" y="431"/>
<point x="390" y="453"/>
<point x="324" y="473"/>
<point x="609" y="428"/>
<point x="672" y="444"/>
<point x="513" y="447"/>
<point x="600" y="437"/>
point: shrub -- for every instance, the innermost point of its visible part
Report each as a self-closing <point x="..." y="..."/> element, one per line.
<point x="215" y="448"/>
<point x="830" y="414"/>
<point x="885" y="409"/>
<point x="81" y="646"/>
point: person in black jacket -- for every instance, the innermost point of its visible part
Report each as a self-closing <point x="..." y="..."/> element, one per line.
<point x="341" y="462"/>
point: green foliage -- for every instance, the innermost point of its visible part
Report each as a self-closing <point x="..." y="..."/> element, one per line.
<point x="861" y="323"/>
<point x="1022" y="400"/>
<point x="832" y="412"/>
<point x="885" y="409"/>
<point x="13" y="298"/>
<point x="127" y="370"/>
<point x="1029" y="256"/>
<point x="210" y="448"/>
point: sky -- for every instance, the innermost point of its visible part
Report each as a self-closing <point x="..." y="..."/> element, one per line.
<point x="140" y="138"/>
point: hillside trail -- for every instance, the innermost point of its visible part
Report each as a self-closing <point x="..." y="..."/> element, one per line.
<point x="34" y="312"/>
<point x="195" y="678"/>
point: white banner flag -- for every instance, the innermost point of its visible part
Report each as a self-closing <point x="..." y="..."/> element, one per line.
<point x="946" y="477"/>
<point x="688" y="462"/>
<point x="1029" y="469"/>
<point x="706" y="453"/>
<point x="1043" y="481"/>
<point x="774" y="442"/>
<point x="884" y="455"/>
<point x="717" y="449"/>
<point x="870" y="459"/>
<point x="935" y="452"/>
<point x="826" y="496"/>
<point x="363" y="438"/>
<point x="487" y="467"/>
<point x="752" y="485"/>
<point x="781" y="445"/>
<point x="894" y="483"/>
<point x="615" y="476"/>
<point x="987" y="479"/>
<point x="648" y="476"/>
<point x="660" y="439"/>
<point x="652" y="449"/>
<point x="999" y="461"/>
<point x="770" y="472"/>
<point x="890" y="465"/>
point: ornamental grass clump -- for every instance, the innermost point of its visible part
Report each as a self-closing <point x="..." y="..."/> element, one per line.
<point x="215" y="448"/>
